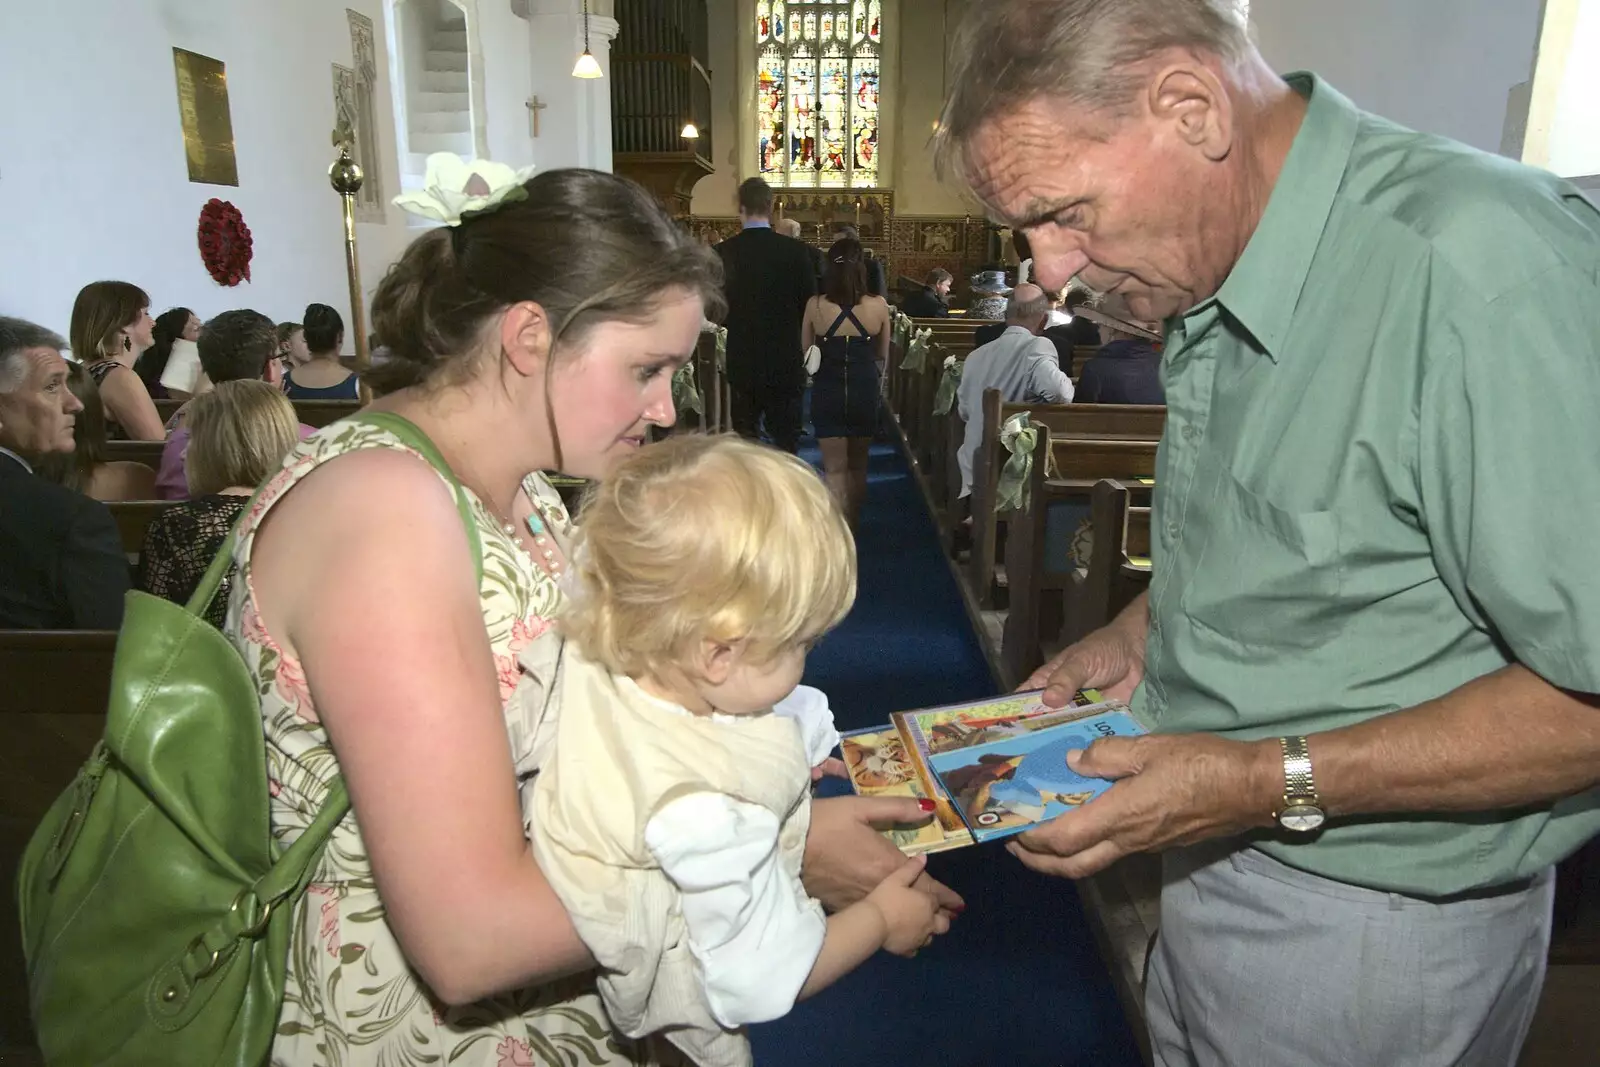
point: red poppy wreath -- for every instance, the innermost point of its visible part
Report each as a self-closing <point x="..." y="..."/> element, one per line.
<point x="224" y="243"/>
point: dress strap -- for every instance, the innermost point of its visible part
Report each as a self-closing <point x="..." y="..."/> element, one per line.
<point x="862" y="330"/>
<point x="845" y="314"/>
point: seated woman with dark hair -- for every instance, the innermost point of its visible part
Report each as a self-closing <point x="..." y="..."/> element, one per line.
<point x="322" y="376"/>
<point x="239" y="433"/>
<point x="175" y="333"/>
<point x="86" y="469"/>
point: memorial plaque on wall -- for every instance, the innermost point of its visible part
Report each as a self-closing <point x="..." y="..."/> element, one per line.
<point x="207" y="126"/>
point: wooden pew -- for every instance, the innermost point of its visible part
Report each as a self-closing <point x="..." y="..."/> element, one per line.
<point x="1119" y="560"/>
<point x="133" y="518"/>
<point x="54" y="686"/>
<point x="1128" y="422"/>
<point x="313" y="413"/>
<point x="146" y="452"/>
<point x="1040" y="563"/>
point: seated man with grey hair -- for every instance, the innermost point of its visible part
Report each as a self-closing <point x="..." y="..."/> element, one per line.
<point x="1369" y="655"/>
<point x="1019" y="362"/>
<point x="61" y="561"/>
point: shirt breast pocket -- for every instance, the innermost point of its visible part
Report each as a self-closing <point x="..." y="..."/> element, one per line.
<point x="1262" y="575"/>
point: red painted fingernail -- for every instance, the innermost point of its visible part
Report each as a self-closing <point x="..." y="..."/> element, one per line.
<point x="958" y="909"/>
<point x="926" y="805"/>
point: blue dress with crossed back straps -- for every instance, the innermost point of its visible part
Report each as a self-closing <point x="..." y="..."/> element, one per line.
<point x="844" y="391"/>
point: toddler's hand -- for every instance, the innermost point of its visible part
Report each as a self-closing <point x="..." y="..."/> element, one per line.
<point x="910" y="915"/>
<point x="832" y="767"/>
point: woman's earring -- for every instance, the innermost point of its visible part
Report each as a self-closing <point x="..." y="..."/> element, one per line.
<point x="127" y="343"/>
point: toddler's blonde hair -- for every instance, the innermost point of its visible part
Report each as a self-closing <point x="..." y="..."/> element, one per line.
<point x="707" y="537"/>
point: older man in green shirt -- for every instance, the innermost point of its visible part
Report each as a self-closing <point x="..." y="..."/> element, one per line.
<point x="1371" y="645"/>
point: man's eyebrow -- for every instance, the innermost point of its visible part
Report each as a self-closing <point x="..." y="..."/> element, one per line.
<point x="1037" y="212"/>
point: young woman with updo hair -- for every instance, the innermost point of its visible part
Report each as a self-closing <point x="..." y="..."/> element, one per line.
<point x="111" y="328"/>
<point x="541" y="335"/>
<point x="320" y="375"/>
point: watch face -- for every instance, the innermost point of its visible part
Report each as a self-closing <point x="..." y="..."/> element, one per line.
<point x="1301" y="818"/>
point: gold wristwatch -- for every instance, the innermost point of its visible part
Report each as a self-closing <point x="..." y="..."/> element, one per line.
<point x="1302" y="807"/>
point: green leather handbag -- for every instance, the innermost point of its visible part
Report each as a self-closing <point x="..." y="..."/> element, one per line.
<point x="156" y="907"/>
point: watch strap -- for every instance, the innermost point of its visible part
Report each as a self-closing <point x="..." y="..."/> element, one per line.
<point x="1298" y="782"/>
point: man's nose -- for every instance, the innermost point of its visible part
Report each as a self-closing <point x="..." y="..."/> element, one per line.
<point x="71" y="405"/>
<point x="1056" y="261"/>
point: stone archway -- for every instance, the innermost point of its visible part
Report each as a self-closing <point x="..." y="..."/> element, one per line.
<point x="437" y="81"/>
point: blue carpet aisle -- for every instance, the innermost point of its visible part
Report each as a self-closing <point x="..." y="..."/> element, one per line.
<point x="1018" y="980"/>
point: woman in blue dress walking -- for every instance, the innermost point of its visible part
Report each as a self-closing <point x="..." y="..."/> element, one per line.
<point x="852" y="329"/>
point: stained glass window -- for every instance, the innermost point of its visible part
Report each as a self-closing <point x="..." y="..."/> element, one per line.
<point x="817" y="92"/>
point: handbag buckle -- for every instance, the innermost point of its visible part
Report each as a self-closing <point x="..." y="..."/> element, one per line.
<point x="209" y="967"/>
<point x="262" y="921"/>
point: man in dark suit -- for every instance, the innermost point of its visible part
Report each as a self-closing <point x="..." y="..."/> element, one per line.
<point x="61" y="561"/>
<point x="931" y="301"/>
<point x="768" y="278"/>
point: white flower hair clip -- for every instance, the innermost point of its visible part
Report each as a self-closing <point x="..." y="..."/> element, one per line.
<point x="454" y="190"/>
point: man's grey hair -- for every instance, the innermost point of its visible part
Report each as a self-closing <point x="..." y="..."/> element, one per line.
<point x="1086" y="52"/>
<point x="1027" y="306"/>
<point x="16" y="337"/>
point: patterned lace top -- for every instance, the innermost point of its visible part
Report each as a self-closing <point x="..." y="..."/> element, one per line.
<point x="180" y="544"/>
<point x="100" y="372"/>
<point x="351" y="997"/>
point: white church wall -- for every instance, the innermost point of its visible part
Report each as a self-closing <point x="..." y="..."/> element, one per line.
<point x="93" y="165"/>
<point x="717" y="193"/>
<point x="1563" y="129"/>
<point x="1441" y="66"/>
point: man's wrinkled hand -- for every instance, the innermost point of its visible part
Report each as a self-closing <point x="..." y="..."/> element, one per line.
<point x="1111" y="659"/>
<point x="1170" y="790"/>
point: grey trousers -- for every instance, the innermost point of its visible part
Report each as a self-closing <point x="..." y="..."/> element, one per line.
<point x="1258" y="964"/>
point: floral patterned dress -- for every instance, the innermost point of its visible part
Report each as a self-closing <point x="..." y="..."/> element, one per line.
<point x="351" y="998"/>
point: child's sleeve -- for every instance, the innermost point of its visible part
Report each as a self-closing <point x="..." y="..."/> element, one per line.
<point x="751" y="926"/>
<point x="809" y="709"/>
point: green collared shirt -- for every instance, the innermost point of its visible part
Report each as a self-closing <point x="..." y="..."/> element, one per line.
<point x="1381" y="473"/>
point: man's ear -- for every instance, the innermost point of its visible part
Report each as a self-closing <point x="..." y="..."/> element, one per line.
<point x="716" y="660"/>
<point x="525" y="337"/>
<point x="1191" y="99"/>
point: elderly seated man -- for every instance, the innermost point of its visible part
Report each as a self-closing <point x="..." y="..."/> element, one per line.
<point x="61" y="561"/>
<point x="1020" y="363"/>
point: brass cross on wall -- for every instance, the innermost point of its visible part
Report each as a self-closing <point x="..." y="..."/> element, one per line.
<point x="534" y="107"/>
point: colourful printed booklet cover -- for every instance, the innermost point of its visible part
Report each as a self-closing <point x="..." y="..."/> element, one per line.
<point x="1003" y="787"/>
<point x="906" y="758"/>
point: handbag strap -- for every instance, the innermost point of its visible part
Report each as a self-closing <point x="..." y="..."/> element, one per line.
<point x="292" y="872"/>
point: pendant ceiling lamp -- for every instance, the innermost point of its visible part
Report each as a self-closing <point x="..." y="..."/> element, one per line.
<point x="587" y="66"/>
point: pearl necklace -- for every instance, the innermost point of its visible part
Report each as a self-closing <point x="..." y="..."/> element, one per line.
<point x="544" y="548"/>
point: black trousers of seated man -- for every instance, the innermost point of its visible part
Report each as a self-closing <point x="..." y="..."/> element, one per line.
<point x="778" y="406"/>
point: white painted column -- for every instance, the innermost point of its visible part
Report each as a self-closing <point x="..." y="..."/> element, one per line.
<point x="575" y="126"/>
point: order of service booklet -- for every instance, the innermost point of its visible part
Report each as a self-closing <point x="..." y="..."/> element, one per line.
<point x="993" y="767"/>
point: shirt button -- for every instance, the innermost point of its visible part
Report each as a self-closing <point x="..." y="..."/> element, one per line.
<point x="1172" y="529"/>
<point x="1189" y="432"/>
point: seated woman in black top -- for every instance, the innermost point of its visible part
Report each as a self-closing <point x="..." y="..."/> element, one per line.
<point x="322" y="376"/>
<point x="238" y="435"/>
<point x="852" y="329"/>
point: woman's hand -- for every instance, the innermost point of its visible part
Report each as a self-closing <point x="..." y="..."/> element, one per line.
<point x="846" y="857"/>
